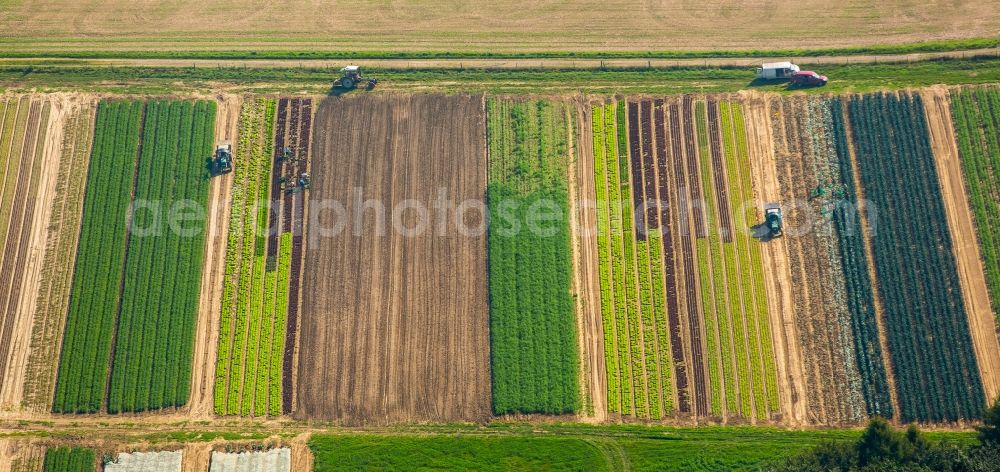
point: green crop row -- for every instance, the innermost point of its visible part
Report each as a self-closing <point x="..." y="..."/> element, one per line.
<point x="100" y="260"/>
<point x="857" y="279"/>
<point x="652" y="375"/>
<point x="534" y="355"/>
<point x="759" y="291"/>
<point x="618" y="206"/>
<point x="602" y="205"/>
<point x="734" y="146"/>
<point x="925" y="321"/>
<point x="722" y="315"/>
<point x="153" y="291"/>
<point x="660" y="317"/>
<point x="69" y="459"/>
<point x="633" y="304"/>
<point x="976" y="114"/>
<point x="280" y="320"/>
<point x="255" y="296"/>
<point x="163" y="276"/>
<point x="243" y="195"/>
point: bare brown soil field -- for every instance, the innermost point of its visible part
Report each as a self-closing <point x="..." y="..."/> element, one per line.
<point x="937" y="107"/>
<point x="213" y="270"/>
<point x="487" y="26"/>
<point x="74" y="117"/>
<point x="20" y="455"/>
<point x="395" y="322"/>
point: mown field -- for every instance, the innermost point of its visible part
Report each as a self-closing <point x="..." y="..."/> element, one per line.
<point x="503" y="25"/>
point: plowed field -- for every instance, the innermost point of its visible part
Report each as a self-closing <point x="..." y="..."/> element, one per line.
<point x="394" y="322"/>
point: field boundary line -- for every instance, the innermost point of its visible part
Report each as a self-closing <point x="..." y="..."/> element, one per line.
<point x="578" y="63"/>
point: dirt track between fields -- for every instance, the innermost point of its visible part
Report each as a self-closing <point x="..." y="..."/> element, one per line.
<point x="965" y="244"/>
<point x="214" y="268"/>
<point x="594" y="381"/>
<point x="543" y="63"/>
<point x="777" y="273"/>
<point x="395" y="325"/>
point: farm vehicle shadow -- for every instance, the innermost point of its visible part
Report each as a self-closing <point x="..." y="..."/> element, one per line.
<point x="783" y="84"/>
<point x="761" y="232"/>
<point x="336" y="91"/>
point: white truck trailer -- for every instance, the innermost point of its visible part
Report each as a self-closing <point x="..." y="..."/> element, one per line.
<point x="776" y="70"/>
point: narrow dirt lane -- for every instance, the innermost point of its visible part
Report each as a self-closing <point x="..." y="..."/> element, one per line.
<point x="213" y="270"/>
<point x="583" y="223"/>
<point x="561" y="63"/>
<point x="777" y="272"/>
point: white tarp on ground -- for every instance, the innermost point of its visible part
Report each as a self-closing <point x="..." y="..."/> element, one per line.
<point x="162" y="461"/>
<point x="274" y="460"/>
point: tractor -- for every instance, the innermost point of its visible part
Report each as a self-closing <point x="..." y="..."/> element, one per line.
<point x="350" y="77"/>
<point x="222" y="162"/>
<point x="772" y="219"/>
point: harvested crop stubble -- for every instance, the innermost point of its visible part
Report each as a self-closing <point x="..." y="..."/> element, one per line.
<point x="22" y="143"/>
<point x="395" y="324"/>
<point x="808" y="171"/>
<point x="60" y="254"/>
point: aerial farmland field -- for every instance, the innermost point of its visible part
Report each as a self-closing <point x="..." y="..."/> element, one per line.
<point x="558" y="235"/>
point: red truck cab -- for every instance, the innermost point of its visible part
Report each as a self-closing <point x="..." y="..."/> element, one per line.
<point x="808" y="78"/>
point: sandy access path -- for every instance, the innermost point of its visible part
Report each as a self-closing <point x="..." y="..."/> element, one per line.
<point x="965" y="245"/>
<point x="213" y="271"/>
<point x="571" y="63"/>
<point x="583" y="221"/>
